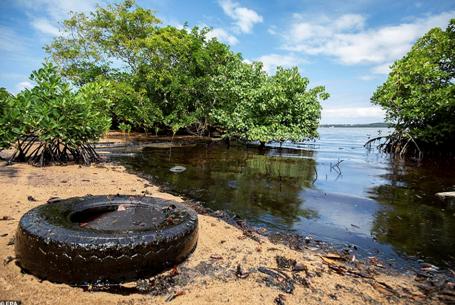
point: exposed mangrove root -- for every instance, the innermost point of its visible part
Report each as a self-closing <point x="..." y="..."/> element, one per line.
<point x="30" y="149"/>
<point x="397" y="144"/>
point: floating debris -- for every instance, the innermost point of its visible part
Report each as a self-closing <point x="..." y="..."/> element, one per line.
<point x="232" y="184"/>
<point x="178" y="169"/>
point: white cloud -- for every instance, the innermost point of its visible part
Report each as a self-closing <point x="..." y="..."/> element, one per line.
<point x="272" y="30"/>
<point x="222" y="35"/>
<point x="349" y="21"/>
<point x="243" y="17"/>
<point x="24" y="85"/>
<point x="58" y="9"/>
<point x="272" y="61"/>
<point x="373" y="112"/>
<point x="366" y="77"/>
<point x="9" y="41"/>
<point x="15" y="47"/>
<point x="44" y="26"/>
<point x="45" y="14"/>
<point x="346" y="38"/>
<point x="382" y="69"/>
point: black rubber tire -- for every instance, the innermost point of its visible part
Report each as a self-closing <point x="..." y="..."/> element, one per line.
<point x="50" y="246"/>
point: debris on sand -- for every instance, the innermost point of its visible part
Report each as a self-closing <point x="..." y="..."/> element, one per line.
<point x="31" y="198"/>
<point x="436" y="285"/>
<point x="332" y="255"/>
<point x="277" y="279"/>
<point x="53" y="200"/>
<point x="12" y="241"/>
<point x="304" y="281"/>
<point x="428" y="267"/>
<point x="7" y="218"/>
<point x="8" y="260"/>
<point x="279" y="300"/>
<point x="240" y="273"/>
<point x="174" y="294"/>
<point x="285" y="263"/>
<point x="344" y="270"/>
<point x="300" y="267"/>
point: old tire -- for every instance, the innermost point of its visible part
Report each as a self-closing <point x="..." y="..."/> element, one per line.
<point x="53" y="243"/>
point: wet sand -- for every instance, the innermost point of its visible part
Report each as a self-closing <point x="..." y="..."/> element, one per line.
<point x="208" y="276"/>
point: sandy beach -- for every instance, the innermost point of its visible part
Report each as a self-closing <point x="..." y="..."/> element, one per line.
<point x="209" y="276"/>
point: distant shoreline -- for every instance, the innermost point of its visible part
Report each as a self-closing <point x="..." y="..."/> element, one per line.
<point x="380" y="125"/>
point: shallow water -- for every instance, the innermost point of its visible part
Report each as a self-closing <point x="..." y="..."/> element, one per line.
<point x="384" y="207"/>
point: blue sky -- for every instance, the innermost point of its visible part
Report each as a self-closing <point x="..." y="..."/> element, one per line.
<point x="346" y="46"/>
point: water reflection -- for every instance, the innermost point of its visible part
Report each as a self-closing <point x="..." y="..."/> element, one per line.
<point x="417" y="222"/>
<point x="260" y="186"/>
<point x="372" y="202"/>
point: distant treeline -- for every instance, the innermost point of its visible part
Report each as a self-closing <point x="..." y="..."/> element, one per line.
<point x="378" y="125"/>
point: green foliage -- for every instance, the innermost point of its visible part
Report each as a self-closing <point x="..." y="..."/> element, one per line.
<point x="54" y="111"/>
<point x="169" y="79"/>
<point x="130" y="106"/>
<point x="178" y="77"/>
<point x="9" y="120"/>
<point x="419" y="94"/>
<point x="104" y="42"/>
<point x="286" y="109"/>
<point x="125" y="128"/>
<point x="4" y="94"/>
<point x="267" y="108"/>
<point x="52" y="122"/>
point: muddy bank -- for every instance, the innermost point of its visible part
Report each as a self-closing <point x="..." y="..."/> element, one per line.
<point x="230" y="265"/>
